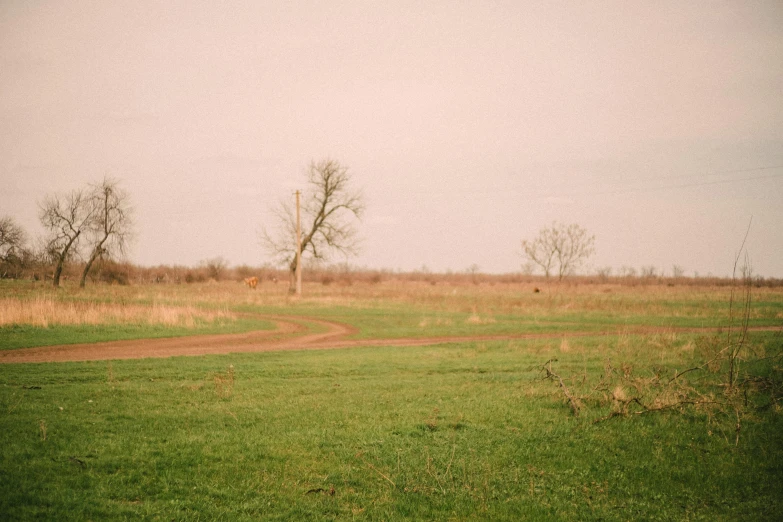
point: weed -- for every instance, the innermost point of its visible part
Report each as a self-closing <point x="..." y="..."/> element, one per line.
<point x="14" y="402"/>
<point x="224" y="383"/>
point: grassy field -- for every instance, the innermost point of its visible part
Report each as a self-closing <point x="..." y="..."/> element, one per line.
<point x="449" y="432"/>
<point x="37" y="315"/>
<point x="389" y="309"/>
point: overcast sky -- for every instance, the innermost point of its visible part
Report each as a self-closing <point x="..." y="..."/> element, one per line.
<point x="469" y="126"/>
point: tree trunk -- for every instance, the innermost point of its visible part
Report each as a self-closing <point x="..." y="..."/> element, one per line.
<point x="93" y="257"/>
<point x="61" y="261"/>
<point x="292" y="278"/>
<point x="57" y="271"/>
<point x="97" y="251"/>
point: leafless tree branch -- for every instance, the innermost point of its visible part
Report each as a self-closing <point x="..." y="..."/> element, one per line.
<point x="13" y="253"/>
<point x="573" y="401"/>
<point x="111" y="225"/>
<point x="565" y="247"/>
<point x="66" y="217"/>
<point x="329" y="214"/>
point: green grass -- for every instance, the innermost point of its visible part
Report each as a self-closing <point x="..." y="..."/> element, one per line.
<point x="478" y="310"/>
<point x="24" y="336"/>
<point x="454" y="431"/>
<point x="466" y="431"/>
<point x="396" y="310"/>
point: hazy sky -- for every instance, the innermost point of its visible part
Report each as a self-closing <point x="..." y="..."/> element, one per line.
<point x="658" y="126"/>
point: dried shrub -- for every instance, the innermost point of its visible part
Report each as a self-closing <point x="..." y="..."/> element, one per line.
<point x="224" y="383"/>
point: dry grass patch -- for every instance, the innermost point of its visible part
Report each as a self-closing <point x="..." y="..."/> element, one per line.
<point x="224" y="383"/>
<point x="438" y="321"/>
<point x="475" y="318"/>
<point x="45" y="311"/>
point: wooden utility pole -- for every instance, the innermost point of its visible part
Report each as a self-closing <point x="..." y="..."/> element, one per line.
<point x="298" y="248"/>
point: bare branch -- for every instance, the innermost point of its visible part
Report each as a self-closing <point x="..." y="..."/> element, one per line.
<point x="14" y="254"/>
<point x="565" y="247"/>
<point x="12" y="237"/>
<point x="573" y="402"/>
<point x="111" y="225"/>
<point x="66" y="217"/>
<point x="329" y="214"/>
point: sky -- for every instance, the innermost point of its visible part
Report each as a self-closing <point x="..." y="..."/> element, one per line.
<point x="468" y="126"/>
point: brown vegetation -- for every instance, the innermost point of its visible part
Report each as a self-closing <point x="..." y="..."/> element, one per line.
<point x="342" y="274"/>
<point x="47" y="310"/>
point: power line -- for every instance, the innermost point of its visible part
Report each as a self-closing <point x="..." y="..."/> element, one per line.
<point x="472" y="192"/>
<point x="703" y="175"/>
<point x="721" y="172"/>
<point x="687" y="185"/>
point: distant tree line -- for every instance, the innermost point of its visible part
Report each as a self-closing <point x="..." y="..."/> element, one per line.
<point x="94" y="223"/>
<point x="92" y="227"/>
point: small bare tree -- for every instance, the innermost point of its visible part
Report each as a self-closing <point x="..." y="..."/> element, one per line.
<point x="12" y="237"/>
<point x="12" y="247"/>
<point x="66" y="217"/>
<point x="603" y="273"/>
<point x="216" y="267"/>
<point x="648" y="271"/>
<point x="474" y="270"/>
<point x="111" y="223"/>
<point x="560" y="246"/>
<point x="328" y="218"/>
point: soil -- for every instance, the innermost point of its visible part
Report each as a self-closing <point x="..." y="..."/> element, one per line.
<point x="290" y="333"/>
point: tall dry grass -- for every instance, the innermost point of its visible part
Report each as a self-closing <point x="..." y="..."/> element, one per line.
<point x="480" y="303"/>
<point x="45" y="311"/>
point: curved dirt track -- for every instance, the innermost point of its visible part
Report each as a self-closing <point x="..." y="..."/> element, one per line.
<point x="290" y="333"/>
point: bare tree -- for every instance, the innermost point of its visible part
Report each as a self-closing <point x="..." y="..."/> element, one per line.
<point x="111" y="223"/>
<point x="528" y="268"/>
<point x="66" y="217"/>
<point x="628" y="271"/>
<point x="564" y="247"/>
<point x="12" y="237"/>
<point x="328" y="218"/>
<point x="216" y="267"/>
<point x="474" y="270"/>
<point x="648" y="271"/>
<point x="12" y="247"/>
<point x="603" y="273"/>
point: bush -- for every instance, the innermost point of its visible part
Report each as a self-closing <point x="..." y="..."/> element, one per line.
<point x="114" y="273"/>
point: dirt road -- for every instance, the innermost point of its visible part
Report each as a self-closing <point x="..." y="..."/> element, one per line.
<point x="290" y="333"/>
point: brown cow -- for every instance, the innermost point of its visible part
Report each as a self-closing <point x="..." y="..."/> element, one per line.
<point x="251" y="282"/>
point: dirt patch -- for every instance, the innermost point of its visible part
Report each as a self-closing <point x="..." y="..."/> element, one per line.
<point x="290" y="333"/>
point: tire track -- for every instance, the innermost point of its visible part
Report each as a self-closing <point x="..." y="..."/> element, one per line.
<point x="290" y="333"/>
